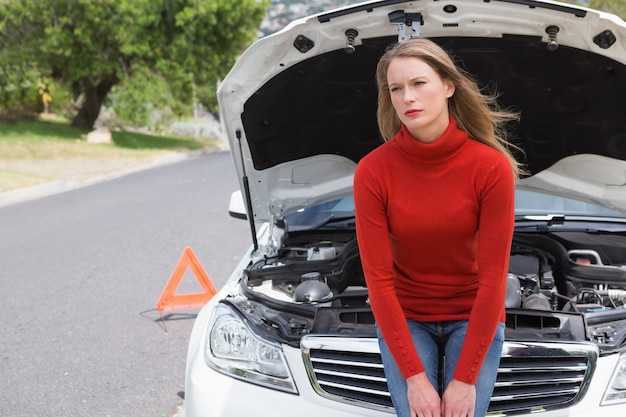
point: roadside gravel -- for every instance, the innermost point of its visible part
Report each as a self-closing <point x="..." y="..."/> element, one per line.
<point x="54" y="176"/>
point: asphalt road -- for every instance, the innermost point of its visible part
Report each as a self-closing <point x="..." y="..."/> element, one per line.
<point x="81" y="273"/>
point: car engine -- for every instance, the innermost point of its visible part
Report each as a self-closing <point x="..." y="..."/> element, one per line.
<point x="568" y="286"/>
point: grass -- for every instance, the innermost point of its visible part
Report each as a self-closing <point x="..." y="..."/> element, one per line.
<point x="44" y="139"/>
<point x="30" y="151"/>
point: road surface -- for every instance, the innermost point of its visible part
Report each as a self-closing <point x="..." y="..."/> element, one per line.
<point x="81" y="273"/>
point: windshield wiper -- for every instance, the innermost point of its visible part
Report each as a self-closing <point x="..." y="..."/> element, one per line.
<point x="545" y="222"/>
<point x="552" y="219"/>
<point x="549" y="219"/>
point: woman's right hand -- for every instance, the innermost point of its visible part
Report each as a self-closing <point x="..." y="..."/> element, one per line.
<point x="423" y="398"/>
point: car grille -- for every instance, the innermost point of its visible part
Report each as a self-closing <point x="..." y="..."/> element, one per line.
<point x="532" y="377"/>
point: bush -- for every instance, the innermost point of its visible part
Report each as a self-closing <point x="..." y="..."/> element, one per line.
<point x="21" y="93"/>
<point x="145" y="100"/>
<point x="18" y="92"/>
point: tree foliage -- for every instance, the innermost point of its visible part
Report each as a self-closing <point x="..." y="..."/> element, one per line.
<point x="94" y="45"/>
<point x="617" y="7"/>
<point x="143" y="99"/>
<point x="18" y="90"/>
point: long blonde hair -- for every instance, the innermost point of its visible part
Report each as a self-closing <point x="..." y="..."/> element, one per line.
<point x="478" y="114"/>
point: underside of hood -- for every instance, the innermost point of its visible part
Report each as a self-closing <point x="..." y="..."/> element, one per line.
<point x="299" y="107"/>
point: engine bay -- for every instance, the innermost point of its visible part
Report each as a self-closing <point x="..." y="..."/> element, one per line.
<point x="560" y="286"/>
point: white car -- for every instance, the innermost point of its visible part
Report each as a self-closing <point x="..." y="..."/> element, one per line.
<point x="291" y="332"/>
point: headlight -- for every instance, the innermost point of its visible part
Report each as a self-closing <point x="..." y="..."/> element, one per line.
<point x="616" y="390"/>
<point x="233" y="349"/>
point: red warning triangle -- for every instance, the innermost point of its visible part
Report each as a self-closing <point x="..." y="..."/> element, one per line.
<point x="171" y="301"/>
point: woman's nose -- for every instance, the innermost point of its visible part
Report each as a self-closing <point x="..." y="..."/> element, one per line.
<point x="409" y="96"/>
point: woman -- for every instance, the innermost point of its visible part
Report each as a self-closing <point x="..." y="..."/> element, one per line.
<point x="434" y="210"/>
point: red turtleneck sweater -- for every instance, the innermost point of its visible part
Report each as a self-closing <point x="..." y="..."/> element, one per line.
<point x="434" y="226"/>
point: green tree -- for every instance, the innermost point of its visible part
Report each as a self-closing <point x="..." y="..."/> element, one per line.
<point x="137" y="99"/>
<point x="617" y="7"/>
<point x="18" y="90"/>
<point x="93" y="45"/>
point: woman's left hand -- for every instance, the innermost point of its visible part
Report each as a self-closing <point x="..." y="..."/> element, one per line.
<point x="458" y="400"/>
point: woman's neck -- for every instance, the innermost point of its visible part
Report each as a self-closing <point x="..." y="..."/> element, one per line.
<point x="432" y="132"/>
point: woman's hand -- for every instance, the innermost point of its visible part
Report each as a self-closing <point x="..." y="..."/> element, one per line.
<point x="424" y="400"/>
<point x="459" y="400"/>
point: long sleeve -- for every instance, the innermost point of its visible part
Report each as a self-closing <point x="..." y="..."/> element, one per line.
<point x="377" y="261"/>
<point x="496" y="221"/>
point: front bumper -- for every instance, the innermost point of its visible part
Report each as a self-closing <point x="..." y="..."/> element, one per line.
<point x="209" y="393"/>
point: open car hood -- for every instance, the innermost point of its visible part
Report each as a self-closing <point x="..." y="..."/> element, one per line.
<point x="299" y="106"/>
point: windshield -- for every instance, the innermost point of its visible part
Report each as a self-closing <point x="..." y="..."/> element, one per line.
<point x="340" y="213"/>
<point x="536" y="203"/>
<point x="332" y="214"/>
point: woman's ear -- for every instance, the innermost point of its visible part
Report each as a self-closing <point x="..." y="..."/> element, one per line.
<point x="450" y="88"/>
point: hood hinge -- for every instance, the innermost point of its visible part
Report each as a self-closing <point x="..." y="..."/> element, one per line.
<point x="405" y="21"/>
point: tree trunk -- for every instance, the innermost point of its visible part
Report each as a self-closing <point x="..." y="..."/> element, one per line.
<point x="94" y="95"/>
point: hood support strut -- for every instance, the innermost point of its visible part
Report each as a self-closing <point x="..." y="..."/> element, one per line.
<point x="246" y="193"/>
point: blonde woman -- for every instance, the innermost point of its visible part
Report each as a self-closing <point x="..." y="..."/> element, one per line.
<point x="434" y="210"/>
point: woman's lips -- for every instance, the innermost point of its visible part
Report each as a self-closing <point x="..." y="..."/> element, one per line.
<point x="412" y="112"/>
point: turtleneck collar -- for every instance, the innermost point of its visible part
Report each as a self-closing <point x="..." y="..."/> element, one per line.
<point x="450" y="141"/>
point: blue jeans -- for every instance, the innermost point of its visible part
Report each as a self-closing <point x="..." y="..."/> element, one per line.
<point x="434" y="342"/>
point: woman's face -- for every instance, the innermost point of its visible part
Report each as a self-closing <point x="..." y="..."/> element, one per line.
<point x="420" y="97"/>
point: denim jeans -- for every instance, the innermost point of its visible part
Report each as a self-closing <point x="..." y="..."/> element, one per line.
<point x="433" y="342"/>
